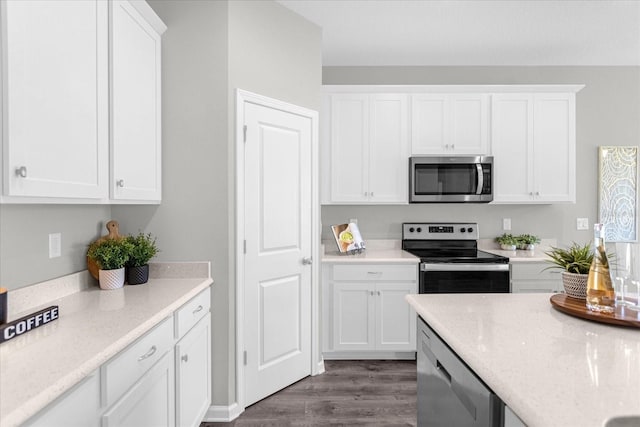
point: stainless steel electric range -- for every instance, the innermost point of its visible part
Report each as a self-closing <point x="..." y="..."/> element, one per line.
<point x="450" y="261"/>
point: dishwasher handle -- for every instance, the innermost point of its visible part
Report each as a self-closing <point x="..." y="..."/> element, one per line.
<point x="458" y="390"/>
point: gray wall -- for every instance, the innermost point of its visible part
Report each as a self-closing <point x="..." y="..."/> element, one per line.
<point x="608" y="113"/>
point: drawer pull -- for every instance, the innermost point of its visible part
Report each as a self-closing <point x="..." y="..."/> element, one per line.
<point x="197" y="310"/>
<point x="185" y="358"/>
<point x="374" y="272"/>
<point x="148" y="354"/>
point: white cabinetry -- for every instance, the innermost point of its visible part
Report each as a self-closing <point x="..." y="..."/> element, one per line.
<point x="534" y="277"/>
<point x="365" y="313"/>
<point x="161" y="379"/>
<point x="368" y="157"/>
<point x="69" y="68"/>
<point x="135" y="105"/>
<point x="449" y="124"/>
<point x="79" y="407"/>
<point x="534" y="147"/>
<point x="55" y="87"/>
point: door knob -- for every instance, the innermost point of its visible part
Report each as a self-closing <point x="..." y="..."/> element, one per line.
<point x="21" y="171"/>
<point x="307" y="261"/>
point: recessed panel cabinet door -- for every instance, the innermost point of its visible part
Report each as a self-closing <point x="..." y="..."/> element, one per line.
<point x="396" y="320"/>
<point x="354" y="316"/>
<point x="55" y="85"/>
<point x="135" y="106"/>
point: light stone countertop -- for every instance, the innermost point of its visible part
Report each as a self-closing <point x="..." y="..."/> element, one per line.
<point x="536" y="255"/>
<point x="550" y="368"/>
<point x="94" y="325"/>
<point x="378" y="251"/>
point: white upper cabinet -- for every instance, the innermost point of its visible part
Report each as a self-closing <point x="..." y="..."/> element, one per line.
<point x="368" y="149"/>
<point x="534" y="147"/>
<point x="69" y="67"/>
<point x="55" y="86"/>
<point x="449" y="124"/>
<point x="135" y="105"/>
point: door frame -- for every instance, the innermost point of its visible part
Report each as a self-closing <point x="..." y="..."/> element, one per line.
<point x="316" y="363"/>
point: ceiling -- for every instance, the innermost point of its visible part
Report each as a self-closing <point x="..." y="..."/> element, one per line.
<point x="475" y="32"/>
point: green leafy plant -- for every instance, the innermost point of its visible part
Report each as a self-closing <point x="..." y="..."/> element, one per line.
<point x="143" y="249"/>
<point x="574" y="259"/>
<point x="110" y="254"/>
<point x="528" y="239"/>
<point x="507" y="239"/>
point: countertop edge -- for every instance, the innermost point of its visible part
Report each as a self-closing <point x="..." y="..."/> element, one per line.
<point x="48" y="395"/>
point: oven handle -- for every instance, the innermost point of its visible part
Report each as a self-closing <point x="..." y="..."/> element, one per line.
<point x="480" y="178"/>
<point x="464" y="267"/>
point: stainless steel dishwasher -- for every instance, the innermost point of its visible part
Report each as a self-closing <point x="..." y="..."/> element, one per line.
<point x="449" y="393"/>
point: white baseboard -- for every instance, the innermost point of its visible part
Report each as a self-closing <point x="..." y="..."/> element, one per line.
<point x="369" y="355"/>
<point x="219" y="413"/>
<point x="319" y="368"/>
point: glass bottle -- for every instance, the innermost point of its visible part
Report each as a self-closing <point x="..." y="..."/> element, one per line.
<point x="600" y="293"/>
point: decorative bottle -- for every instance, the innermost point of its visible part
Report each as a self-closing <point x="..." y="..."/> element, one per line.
<point x="600" y="293"/>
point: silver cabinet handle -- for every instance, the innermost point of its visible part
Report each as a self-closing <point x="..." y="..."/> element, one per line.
<point x="148" y="354"/>
<point x="185" y="358"/>
<point x="379" y="293"/>
<point x="371" y="293"/>
<point x="21" y="171"/>
<point x="374" y="272"/>
<point x="372" y="194"/>
<point x="307" y="261"/>
<point x="198" y="309"/>
<point x="453" y="146"/>
<point x="120" y="183"/>
<point x="537" y="193"/>
<point x="366" y="193"/>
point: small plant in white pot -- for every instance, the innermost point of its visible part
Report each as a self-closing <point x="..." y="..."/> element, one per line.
<point x="143" y="248"/>
<point x="507" y="242"/>
<point x="111" y="255"/>
<point x="575" y="262"/>
<point x="527" y="241"/>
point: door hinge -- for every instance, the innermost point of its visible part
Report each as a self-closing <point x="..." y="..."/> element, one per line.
<point x="245" y="357"/>
<point x="244" y="133"/>
<point x="244" y="246"/>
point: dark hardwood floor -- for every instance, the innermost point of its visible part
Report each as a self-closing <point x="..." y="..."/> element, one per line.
<point x="349" y="393"/>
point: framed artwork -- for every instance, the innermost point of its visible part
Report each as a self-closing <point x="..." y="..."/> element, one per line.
<point x="618" y="192"/>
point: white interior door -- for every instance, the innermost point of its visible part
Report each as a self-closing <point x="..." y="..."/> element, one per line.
<point x="277" y="224"/>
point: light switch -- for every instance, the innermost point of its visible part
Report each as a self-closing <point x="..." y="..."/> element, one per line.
<point x="582" y="223"/>
<point x="55" y="245"/>
<point x="506" y="224"/>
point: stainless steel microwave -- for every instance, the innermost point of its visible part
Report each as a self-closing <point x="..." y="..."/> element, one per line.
<point x="444" y="179"/>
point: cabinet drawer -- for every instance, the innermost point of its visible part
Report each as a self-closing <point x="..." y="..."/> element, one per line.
<point x="534" y="271"/>
<point x="376" y="272"/>
<point x="190" y="313"/>
<point x="127" y="367"/>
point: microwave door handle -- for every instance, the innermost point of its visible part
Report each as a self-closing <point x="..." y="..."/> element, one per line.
<point x="480" y="178"/>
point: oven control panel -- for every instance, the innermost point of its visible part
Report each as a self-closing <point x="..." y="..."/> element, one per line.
<point x="440" y="231"/>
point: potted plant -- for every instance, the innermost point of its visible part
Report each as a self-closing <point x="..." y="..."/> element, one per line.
<point x="575" y="262"/>
<point x="111" y="255"/>
<point x="507" y="242"/>
<point x="527" y="241"/>
<point x="143" y="248"/>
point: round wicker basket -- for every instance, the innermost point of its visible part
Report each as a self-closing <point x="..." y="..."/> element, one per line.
<point x="575" y="285"/>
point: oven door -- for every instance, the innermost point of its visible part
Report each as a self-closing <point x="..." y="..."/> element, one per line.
<point x="464" y="278"/>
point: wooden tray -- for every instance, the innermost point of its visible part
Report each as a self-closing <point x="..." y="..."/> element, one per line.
<point x="578" y="307"/>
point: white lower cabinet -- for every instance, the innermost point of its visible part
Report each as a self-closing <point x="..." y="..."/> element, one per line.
<point x="533" y="277"/>
<point x="162" y="379"/>
<point x="150" y="402"/>
<point x="365" y="313"/>
<point x="78" y="407"/>
<point x="193" y="374"/>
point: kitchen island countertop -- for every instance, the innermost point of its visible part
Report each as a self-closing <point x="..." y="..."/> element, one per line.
<point x="550" y="368"/>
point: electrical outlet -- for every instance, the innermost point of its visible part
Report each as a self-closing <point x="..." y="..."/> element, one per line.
<point x="582" y="223"/>
<point x="353" y="220"/>
<point x="55" y="245"/>
<point x="506" y="224"/>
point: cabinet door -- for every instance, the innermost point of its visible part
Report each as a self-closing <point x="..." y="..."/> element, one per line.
<point x="511" y="146"/>
<point x="79" y="407"/>
<point x="135" y="106"/>
<point x="193" y="374"/>
<point x="353" y="316"/>
<point x="395" y="319"/>
<point x="554" y="148"/>
<point x="349" y="147"/>
<point x="429" y="124"/>
<point x="469" y="124"/>
<point x="150" y="402"/>
<point x="388" y="149"/>
<point x="55" y="136"/>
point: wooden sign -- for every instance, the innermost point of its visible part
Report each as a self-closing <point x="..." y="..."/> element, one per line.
<point x="25" y="324"/>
